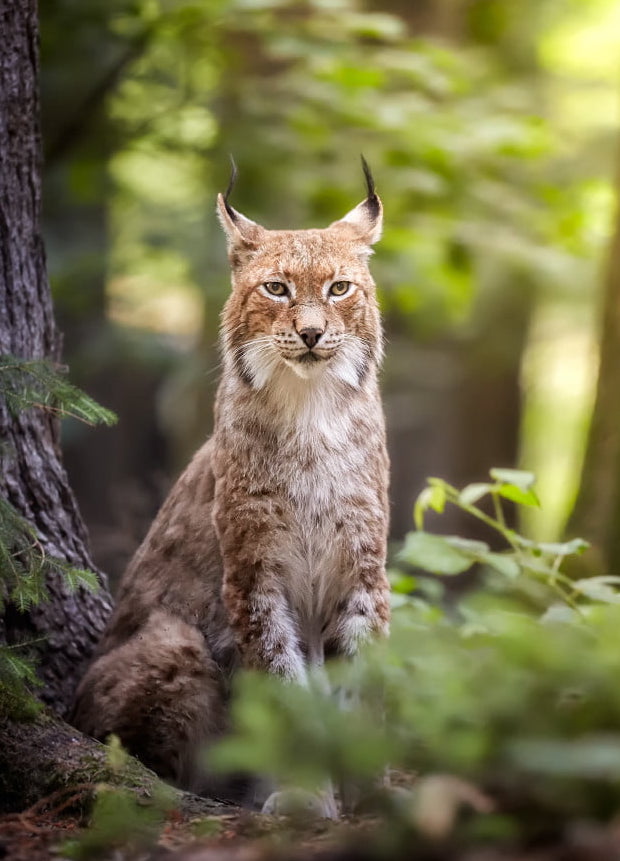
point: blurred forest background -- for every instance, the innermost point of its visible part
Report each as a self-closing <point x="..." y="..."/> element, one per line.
<point x="492" y="129"/>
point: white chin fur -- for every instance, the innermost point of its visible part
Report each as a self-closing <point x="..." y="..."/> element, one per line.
<point x="261" y="361"/>
<point x="265" y="364"/>
<point x="305" y="370"/>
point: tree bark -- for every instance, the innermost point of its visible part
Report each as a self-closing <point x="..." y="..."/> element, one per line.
<point x="46" y="755"/>
<point x="32" y="477"/>
<point x="596" y="515"/>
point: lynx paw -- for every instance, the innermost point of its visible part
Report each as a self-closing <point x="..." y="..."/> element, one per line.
<point x="300" y="802"/>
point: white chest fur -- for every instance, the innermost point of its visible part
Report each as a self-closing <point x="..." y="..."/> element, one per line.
<point x="322" y="471"/>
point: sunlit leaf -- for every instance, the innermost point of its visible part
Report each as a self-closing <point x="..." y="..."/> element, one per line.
<point x="433" y="497"/>
<point x="434" y="553"/>
<point x="566" y="548"/>
<point x="503" y="563"/>
<point x="468" y="545"/>
<point x="561" y="613"/>
<point x="517" y="494"/>
<point x="604" y="589"/>
<point x="516" y="477"/>
<point x="402" y="583"/>
<point x="473" y="492"/>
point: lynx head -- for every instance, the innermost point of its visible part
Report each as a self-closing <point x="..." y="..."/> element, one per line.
<point x="303" y="301"/>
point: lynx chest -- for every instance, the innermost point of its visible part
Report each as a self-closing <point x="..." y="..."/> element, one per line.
<point x="326" y="483"/>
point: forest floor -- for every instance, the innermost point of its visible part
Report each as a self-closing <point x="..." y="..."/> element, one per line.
<point x="55" y="828"/>
<point x="40" y="834"/>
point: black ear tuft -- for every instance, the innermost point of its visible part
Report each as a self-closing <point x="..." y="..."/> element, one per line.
<point x="372" y="201"/>
<point x="227" y="193"/>
<point x="370" y="183"/>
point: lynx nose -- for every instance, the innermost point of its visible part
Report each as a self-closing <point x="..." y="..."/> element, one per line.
<point x="310" y="336"/>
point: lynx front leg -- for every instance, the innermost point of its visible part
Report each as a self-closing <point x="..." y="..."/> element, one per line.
<point x="365" y="614"/>
<point x="364" y="609"/>
<point x="253" y="588"/>
<point x="261" y="620"/>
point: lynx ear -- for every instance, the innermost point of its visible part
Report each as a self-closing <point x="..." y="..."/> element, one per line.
<point x="367" y="217"/>
<point x="242" y="235"/>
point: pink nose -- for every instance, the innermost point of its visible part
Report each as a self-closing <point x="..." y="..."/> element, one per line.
<point x="310" y="337"/>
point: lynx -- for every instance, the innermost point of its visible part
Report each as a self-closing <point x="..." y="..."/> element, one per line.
<point x="269" y="552"/>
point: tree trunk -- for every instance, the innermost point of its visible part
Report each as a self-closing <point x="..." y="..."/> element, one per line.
<point x="32" y="476"/>
<point x="39" y="758"/>
<point x="596" y="515"/>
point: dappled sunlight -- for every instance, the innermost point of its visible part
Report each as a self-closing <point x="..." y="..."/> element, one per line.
<point x="559" y="374"/>
<point x="167" y="308"/>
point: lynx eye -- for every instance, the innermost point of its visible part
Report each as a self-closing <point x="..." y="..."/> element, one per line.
<point x="339" y="288"/>
<point x="276" y="288"/>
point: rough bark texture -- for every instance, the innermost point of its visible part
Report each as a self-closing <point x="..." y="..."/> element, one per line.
<point x="596" y="515"/>
<point x="41" y="757"/>
<point x="32" y="477"/>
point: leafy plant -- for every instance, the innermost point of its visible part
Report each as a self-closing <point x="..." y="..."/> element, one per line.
<point x="523" y="561"/>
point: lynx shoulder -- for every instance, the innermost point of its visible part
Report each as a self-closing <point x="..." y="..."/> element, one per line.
<point x="269" y="552"/>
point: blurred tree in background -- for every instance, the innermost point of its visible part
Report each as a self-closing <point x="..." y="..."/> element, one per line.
<point x="489" y="127"/>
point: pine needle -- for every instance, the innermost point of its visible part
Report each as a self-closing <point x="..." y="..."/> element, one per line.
<point x="37" y="383"/>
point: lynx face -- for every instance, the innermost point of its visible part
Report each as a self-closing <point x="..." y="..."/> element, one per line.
<point x="303" y="301"/>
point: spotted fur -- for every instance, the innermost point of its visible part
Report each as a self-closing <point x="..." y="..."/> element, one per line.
<point x="269" y="552"/>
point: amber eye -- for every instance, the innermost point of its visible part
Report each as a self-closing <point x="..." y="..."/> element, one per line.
<point x="339" y="288"/>
<point x="276" y="288"/>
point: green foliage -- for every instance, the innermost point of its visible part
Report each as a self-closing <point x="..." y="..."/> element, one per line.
<point x="24" y="564"/>
<point x="514" y="685"/>
<point x="120" y="819"/>
<point x="460" y="149"/>
<point x="525" y="563"/>
<point x="274" y="722"/>
<point x="27" y="383"/>
<point x="17" y="679"/>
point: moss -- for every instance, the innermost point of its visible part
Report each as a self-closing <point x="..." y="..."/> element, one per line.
<point x="46" y="755"/>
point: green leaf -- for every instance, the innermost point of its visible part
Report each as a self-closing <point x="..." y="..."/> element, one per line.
<point x="473" y="492"/>
<point x="434" y="553"/>
<point x="599" y="589"/>
<point x="566" y="548"/>
<point x="397" y="600"/>
<point x="516" y="477"/>
<point x="518" y="495"/>
<point x="468" y="545"/>
<point x="434" y="497"/>
<point x="591" y="757"/>
<point x="421" y="506"/>
<point x="504" y="563"/>
<point x="404" y="584"/>
<point x="117" y="756"/>
<point x="560" y="613"/>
